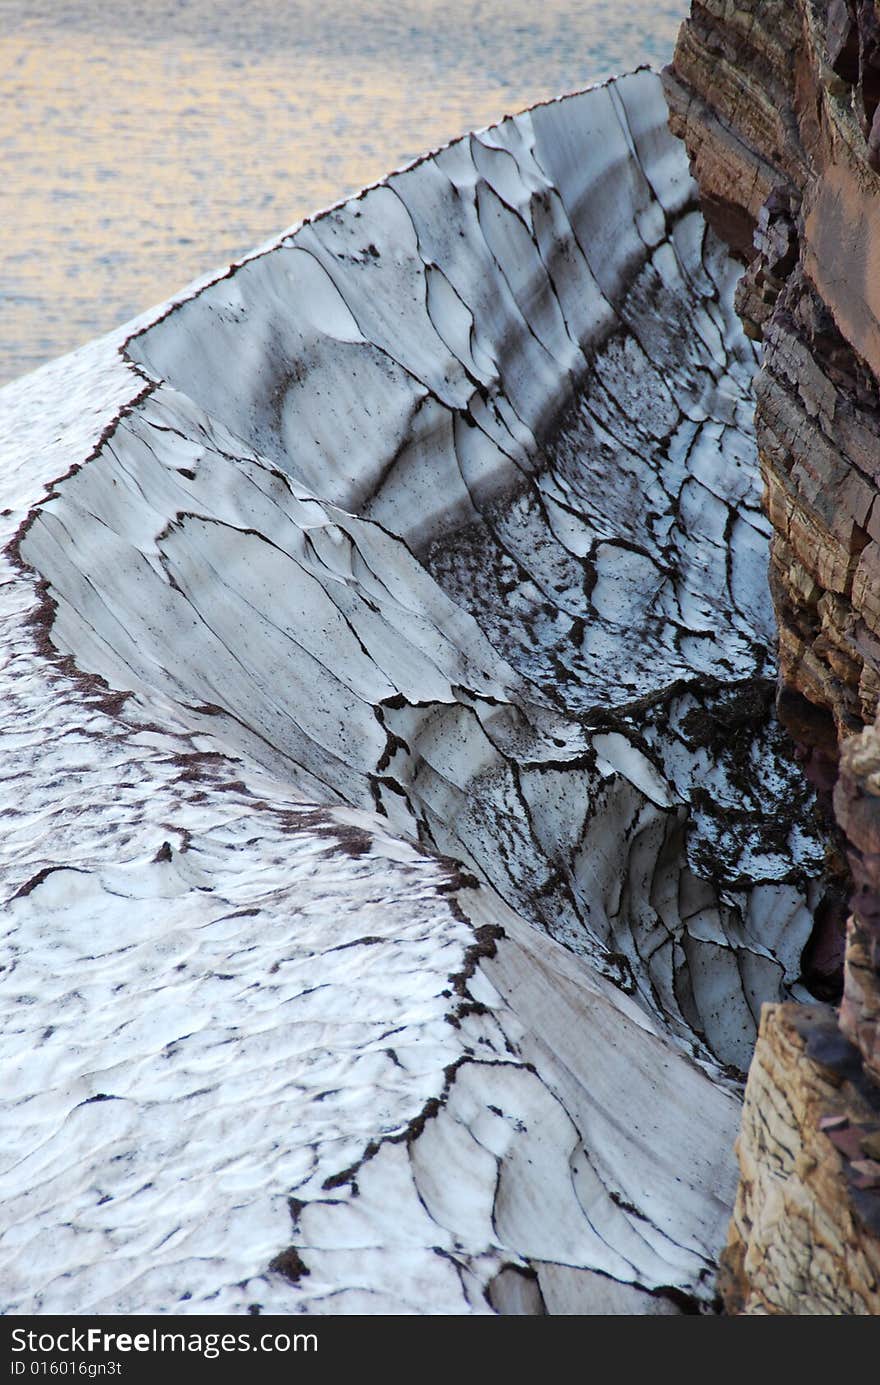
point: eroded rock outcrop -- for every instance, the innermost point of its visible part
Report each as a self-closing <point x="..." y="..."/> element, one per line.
<point x="778" y="105"/>
<point x="805" y="1236"/>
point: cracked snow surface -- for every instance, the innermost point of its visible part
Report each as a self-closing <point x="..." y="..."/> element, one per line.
<point x="398" y="845"/>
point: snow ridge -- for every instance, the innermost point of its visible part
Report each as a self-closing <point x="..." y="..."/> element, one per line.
<point x="375" y="939"/>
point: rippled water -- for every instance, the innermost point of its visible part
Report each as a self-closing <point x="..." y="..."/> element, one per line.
<point x="143" y="143"/>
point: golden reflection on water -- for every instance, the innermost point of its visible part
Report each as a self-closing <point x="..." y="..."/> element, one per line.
<point x="129" y="168"/>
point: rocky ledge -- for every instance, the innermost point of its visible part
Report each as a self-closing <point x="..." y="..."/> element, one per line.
<point x="778" y="102"/>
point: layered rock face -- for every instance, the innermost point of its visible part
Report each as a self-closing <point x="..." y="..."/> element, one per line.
<point x="778" y="105"/>
<point x="804" y="1236"/>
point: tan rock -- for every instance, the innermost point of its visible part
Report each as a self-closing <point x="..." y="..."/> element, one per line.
<point x="800" y="1244"/>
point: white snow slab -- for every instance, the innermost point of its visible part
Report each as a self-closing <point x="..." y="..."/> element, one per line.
<point x="397" y="845"/>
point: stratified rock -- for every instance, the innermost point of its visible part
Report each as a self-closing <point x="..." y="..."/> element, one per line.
<point x="804" y="1236"/>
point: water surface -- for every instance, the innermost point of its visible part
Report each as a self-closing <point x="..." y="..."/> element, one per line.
<point x="143" y="143"/>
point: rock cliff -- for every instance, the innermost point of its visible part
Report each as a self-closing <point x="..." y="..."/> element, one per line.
<point x="778" y="102"/>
